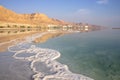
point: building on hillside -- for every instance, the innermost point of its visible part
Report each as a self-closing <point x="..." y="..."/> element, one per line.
<point x="86" y="28"/>
<point x="65" y="28"/>
<point x="54" y="27"/>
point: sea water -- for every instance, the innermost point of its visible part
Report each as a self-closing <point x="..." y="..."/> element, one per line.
<point x="42" y="62"/>
<point x="95" y="54"/>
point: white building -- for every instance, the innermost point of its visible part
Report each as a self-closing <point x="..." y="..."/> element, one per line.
<point x="86" y="28"/>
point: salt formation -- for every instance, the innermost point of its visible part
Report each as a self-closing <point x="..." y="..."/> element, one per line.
<point x="48" y="57"/>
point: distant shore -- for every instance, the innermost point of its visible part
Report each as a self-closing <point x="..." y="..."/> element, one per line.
<point x="115" y="28"/>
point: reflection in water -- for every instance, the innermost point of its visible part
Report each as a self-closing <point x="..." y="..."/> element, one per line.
<point x="4" y="32"/>
<point x="6" y="35"/>
<point x="96" y="54"/>
<point x="15" y="31"/>
<point x="45" y="37"/>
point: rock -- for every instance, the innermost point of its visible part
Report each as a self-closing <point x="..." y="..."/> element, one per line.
<point x="34" y="18"/>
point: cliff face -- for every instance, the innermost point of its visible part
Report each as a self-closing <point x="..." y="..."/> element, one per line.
<point x="34" y="18"/>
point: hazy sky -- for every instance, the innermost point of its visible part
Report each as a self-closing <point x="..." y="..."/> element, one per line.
<point x="100" y="12"/>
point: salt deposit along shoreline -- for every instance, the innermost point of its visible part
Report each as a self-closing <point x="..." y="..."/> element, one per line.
<point x="46" y="56"/>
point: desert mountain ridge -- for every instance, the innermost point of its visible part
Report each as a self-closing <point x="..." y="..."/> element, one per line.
<point x="7" y="15"/>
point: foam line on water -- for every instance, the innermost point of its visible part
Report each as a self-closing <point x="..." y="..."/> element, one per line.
<point x="48" y="57"/>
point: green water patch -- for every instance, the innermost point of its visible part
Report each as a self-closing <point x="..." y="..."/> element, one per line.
<point x="94" y="54"/>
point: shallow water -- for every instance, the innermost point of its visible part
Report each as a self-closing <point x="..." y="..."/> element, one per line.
<point x="94" y="54"/>
<point x="11" y="69"/>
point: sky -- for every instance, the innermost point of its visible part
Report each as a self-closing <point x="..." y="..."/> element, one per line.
<point x="98" y="12"/>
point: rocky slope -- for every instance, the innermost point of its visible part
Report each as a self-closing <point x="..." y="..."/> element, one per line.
<point x="34" y="18"/>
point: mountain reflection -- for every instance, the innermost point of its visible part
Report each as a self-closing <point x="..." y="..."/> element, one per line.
<point x="4" y="32"/>
<point x="7" y="35"/>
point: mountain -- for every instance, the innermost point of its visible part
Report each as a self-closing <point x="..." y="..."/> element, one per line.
<point x="34" y="18"/>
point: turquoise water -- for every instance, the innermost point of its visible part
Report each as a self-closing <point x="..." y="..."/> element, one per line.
<point x="95" y="54"/>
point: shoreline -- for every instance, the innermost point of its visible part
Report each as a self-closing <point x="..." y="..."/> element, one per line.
<point x="8" y="40"/>
<point x="48" y="57"/>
